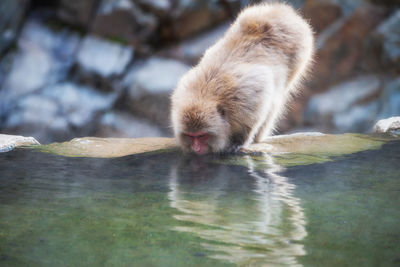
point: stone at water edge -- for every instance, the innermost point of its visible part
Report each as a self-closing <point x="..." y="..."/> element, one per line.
<point x="387" y="125"/>
<point x="96" y="147"/>
<point x="310" y="148"/>
<point x="316" y="143"/>
<point x="9" y="142"/>
<point x="300" y="143"/>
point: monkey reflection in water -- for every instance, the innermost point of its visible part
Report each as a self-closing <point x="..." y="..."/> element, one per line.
<point x="243" y="216"/>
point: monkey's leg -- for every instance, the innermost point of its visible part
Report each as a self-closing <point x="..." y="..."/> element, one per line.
<point x="268" y="125"/>
<point x="265" y="128"/>
<point x="262" y="132"/>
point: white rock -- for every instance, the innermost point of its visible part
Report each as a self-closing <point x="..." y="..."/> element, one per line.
<point x="79" y="103"/>
<point x="196" y="47"/>
<point x="341" y="97"/>
<point x="43" y="57"/>
<point x="39" y="111"/>
<point x="339" y="109"/>
<point x="149" y="87"/>
<point x="192" y="49"/>
<point x="157" y="75"/>
<point x="387" y="125"/>
<point x="356" y="119"/>
<point x="108" y="6"/>
<point x="118" y="124"/>
<point x="103" y="57"/>
<point x="9" y="142"/>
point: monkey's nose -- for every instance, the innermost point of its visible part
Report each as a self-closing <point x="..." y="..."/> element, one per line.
<point x="196" y="146"/>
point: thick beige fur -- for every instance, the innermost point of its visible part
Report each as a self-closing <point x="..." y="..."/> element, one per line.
<point x="241" y="85"/>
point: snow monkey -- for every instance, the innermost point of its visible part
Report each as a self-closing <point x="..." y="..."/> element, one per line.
<point x="239" y="89"/>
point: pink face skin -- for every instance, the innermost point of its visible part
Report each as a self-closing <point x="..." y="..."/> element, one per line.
<point x="198" y="142"/>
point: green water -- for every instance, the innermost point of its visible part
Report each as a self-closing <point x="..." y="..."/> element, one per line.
<point x="170" y="210"/>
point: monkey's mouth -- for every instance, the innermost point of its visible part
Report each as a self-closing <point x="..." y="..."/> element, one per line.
<point x="201" y="150"/>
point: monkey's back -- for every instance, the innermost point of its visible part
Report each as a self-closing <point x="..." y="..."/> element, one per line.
<point x="260" y="60"/>
<point x="268" y="35"/>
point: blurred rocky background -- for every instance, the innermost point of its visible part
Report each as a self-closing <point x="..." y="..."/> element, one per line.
<point x="107" y="67"/>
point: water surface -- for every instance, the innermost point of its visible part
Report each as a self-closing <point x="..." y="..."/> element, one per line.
<point x="172" y="210"/>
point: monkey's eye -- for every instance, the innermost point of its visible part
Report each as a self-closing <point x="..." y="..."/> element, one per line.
<point x="188" y="136"/>
<point x="198" y="136"/>
<point x="203" y="137"/>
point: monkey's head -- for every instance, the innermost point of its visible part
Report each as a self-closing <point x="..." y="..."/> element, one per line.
<point x="200" y="127"/>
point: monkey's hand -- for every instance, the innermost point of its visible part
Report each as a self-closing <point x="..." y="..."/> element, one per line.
<point x="234" y="148"/>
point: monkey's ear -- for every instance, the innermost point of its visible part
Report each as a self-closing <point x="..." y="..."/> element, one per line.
<point x="221" y="110"/>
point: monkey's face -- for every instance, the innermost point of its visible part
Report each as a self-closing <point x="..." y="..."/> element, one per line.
<point x="198" y="141"/>
<point x="201" y="129"/>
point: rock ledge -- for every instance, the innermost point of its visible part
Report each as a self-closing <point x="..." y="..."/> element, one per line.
<point x="9" y="142"/>
<point x="300" y="143"/>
